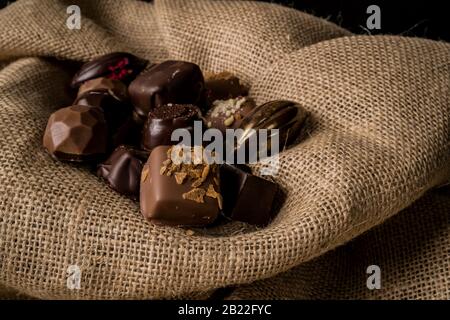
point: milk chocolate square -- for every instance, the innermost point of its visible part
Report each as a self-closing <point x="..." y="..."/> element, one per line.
<point x="180" y="195"/>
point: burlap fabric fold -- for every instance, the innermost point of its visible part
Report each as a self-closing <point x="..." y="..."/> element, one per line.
<point x="411" y="250"/>
<point x="378" y="140"/>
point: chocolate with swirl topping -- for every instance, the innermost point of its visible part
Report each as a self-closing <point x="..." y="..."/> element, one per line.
<point x="286" y="116"/>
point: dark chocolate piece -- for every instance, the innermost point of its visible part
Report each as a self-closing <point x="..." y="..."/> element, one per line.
<point x="128" y="133"/>
<point x="122" y="170"/>
<point x="76" y="133"/>
<point x="180" y="195"/>
<point x="175" y="82"/>
<point x="286" y="116"/>
<point x="223" y="86"/>
<point x="115" y="88"/>
<point x="162" y="121"/>
<point x="228" y="114"/>
<point x="111" y="96"/>
<point x="117" y="65"/>
<point x="247" y="198"/>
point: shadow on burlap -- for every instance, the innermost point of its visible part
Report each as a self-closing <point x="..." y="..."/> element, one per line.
<point x="378" y="141"/>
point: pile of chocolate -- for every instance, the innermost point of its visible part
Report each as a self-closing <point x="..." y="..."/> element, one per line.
<point x="122" y="121"/>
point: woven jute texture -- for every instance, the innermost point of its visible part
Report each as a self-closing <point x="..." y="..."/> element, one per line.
<point x="411" y="250"/>
<point x="378" y="140"/>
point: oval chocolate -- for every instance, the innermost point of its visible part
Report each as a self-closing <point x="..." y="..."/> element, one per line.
<point x="286" y="116"/>
<point x="117" y="65"/>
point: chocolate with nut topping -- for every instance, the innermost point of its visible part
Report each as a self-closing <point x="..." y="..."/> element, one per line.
<point x="223" y="86"/>
<point x="228" y="114"/>
<point x="179" y="194"/>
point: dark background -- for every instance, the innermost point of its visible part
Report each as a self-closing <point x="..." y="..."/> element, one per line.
<point x="429" y="18"/>
<point x="425" y="18"/>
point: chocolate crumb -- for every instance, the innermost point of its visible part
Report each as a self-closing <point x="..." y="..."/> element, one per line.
<point x="205" y="172"/>
<point x="195" y="173"/>
<point x="195" y="194"/>
<point x="180" y="176"/>
<point x="144" y="174"/>
<point x="211" y="192"/>
<point x="197" y="183"/>
<point x="229" y="121"/>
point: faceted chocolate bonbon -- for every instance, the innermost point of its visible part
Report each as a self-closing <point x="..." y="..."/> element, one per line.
<point x="177" y="82"/>
<point x="122" y="170"/>
<point x="162" y="121"/>
<point x="76" y="133"/>
<point x="117" y="66"/>
<point x="247" y="198"/>
<point x="180" y="194"/>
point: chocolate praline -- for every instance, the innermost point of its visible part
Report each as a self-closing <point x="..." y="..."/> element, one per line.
<point x="179" y="195"/>
<point x="286" y="116"/>
<point x="117" y="65"/>
<point x="223" y="86"/>
<point x="76" y="133"/>
<point x="122" y="170"/>
<point x="162" y="121"/>
<point x="115" y="88"/>
<point x="177" y="82"/>
<point x="227" y="114"/>
<point x="247" y="198"/>
<point x="110" y="95"/>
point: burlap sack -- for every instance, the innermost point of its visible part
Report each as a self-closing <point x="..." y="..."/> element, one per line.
<point x="379" y="139"/>
<point x="411" y="249"/>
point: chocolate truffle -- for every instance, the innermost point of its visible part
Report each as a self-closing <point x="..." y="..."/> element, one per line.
<point x="286" y="116"/>
<point x="223" y="86"/>
<point x="162" y="121"/>
<point x="76" y="133"/>
<point x="181" y="194"/>
<point x="175" y="82"/>
<point x="117" y="66"/>
<point x="247" y="198"/>
<point x="227" y="114"/>
<point x="122" y="170"/>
